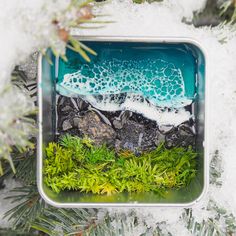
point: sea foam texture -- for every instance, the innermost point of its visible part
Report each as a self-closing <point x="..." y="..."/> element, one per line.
<point x="147" y="86"/>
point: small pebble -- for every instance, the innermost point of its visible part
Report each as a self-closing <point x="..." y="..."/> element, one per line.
<point x="66" y="125"/>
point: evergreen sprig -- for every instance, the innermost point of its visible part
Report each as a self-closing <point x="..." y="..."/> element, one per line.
<point x="10" y="232"/>
<point x="76" y="222"/>
<point x="76" y="164"/>
<point x="228" y="9"/>
<point x="220" y="223"/>
<point x="20" y="125"/>
<point x="29" y="207"/>
<point x="82" y="17"/>
<point x="216" y="169"/>
<point x="32" y="215"/>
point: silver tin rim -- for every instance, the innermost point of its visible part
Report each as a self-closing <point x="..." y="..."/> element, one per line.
<point x="131" y="205"/>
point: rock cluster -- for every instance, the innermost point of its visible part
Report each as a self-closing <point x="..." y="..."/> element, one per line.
<point x="121" y="130"/>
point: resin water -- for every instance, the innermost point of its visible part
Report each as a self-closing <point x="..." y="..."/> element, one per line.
<point x="154" y="80"/>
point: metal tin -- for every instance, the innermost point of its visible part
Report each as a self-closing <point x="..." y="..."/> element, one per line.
<point x="176" y="198"/>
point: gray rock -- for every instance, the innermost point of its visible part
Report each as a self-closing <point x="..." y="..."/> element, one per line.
<point x="121" y="130"/>
<point x="121" y="120"/>
<point x="66" y="125"/>
<point x="102" y="116"/>
<point x="92" y="126"/>
<point x="117" y="124"/>
<point x="130" y="146"/>
<point x="125" y="115"/>
<point x="117" y="145"/>
<point x="74" y="102"/>
<point x="76" y="121"/>
<point x="66" y="108"/>
<point x="164" y="129"/>
<point x="138" y="137"/>
<point x="160" y="138"/>
<point x="182" y="136"/>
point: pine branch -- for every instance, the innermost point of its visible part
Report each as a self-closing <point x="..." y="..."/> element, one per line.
<point x="216" y="169"/>
<point x="69" y="222"/>
<point x="20" y="79"/>
<point x="29" y="208"/>
<point x="55" y="221"/>
<point x="26" y="166"/>
<point x="222" y="223"/>
<point x="33" y="214"/>
<point x="127" y="224"/>
<point x="9" y="232"/>
<point x="228" y="10"/>
<point x="84" y="15"/>
<point x="17" y="124"/>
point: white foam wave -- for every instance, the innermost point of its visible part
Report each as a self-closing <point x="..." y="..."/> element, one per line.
<point x="135" y="103"/>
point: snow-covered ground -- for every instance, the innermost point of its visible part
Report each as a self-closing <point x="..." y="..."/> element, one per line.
<point x="23" y="29"/>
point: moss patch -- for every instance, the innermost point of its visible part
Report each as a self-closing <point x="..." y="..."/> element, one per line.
<point x="76" y="164"/>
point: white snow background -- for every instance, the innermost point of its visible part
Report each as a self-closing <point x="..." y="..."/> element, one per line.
<point x="24" y="27"/>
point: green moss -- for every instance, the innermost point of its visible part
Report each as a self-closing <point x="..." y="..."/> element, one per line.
<point x="76" y="164"/>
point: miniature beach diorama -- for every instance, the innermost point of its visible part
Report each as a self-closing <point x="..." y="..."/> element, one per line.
<point x="126" y="128"/>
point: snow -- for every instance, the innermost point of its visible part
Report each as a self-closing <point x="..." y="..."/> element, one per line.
<point x="25" y="28"/>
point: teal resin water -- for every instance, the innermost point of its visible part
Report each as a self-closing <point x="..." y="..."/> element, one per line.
<point x="164" y="75"/>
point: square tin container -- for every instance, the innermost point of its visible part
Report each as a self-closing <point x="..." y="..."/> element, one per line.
<point x="47" y="111"/>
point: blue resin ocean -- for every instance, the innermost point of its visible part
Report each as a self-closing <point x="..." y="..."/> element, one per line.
<point x="148" y="78"/>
